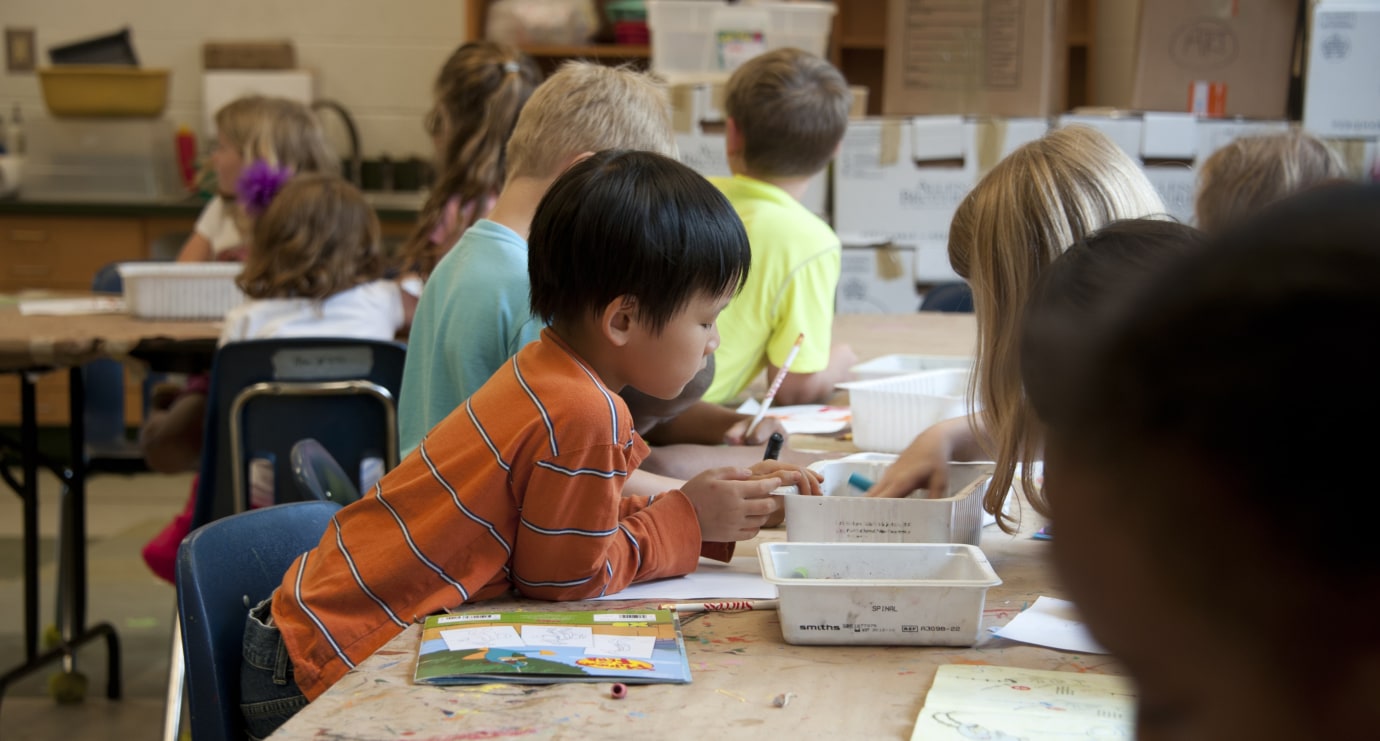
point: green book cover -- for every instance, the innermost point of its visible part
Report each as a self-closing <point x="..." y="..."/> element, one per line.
<point x="629" y="646"/>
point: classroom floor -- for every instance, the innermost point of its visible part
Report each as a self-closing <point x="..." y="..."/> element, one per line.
<point x="123" y="512"/>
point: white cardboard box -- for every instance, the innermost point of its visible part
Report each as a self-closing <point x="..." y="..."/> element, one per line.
<point x="1342" y="97"/>
<point x="219" y="87"/>
<point x="877" y="279"/>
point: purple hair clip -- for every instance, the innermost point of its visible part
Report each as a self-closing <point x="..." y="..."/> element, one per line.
<point x="259" y="183"/>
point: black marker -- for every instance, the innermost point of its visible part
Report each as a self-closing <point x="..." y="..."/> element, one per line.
<point x="774" y="444"/>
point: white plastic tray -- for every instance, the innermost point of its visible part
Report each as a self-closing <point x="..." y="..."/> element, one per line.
<point x="889" y="412"/>
<point x="180" y="290"/>
<point x="924" y="594"/>
<point x="844" y="514"/>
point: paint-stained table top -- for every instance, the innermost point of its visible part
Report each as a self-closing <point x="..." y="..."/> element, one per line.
<point x="739" y="661"/>
<point x="739" y="664"/>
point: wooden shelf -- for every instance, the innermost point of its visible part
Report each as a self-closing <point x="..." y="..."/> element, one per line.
<point x="862" y="42"/>
<point x="590" y="51"/>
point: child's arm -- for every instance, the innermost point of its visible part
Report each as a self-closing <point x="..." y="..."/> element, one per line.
<point x="580" y="538"/>
<point x="171" y="438"/>
<point x="711" y="424"/>
<point x="196" y="249"/>
<point x="815" y="388"/>
<point x="924" y="464"/>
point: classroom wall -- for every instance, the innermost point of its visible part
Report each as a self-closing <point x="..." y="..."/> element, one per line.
<point x="376" y="57"/>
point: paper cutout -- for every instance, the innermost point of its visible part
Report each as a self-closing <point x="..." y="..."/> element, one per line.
<point x="997" y="702"/>
<point x="459" y="639"/>
<point x="1054" y="623"/>
<point x="629" y="647"/>
<point x="558" y="635"/>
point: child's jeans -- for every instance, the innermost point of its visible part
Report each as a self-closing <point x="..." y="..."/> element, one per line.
<point x="268" y="693"/>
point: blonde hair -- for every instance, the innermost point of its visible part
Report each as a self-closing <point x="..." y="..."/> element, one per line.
<point x="317" y="238"/>
<point x="284" y="133"/>
<point x="1251" y="172"/>
<point x="479" y="92"/>
<point x="587" y="107"/>
<point x="1031" y="207"/>
<point x="792" y="109"/>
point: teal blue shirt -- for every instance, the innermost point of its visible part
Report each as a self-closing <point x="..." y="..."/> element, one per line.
<point x="474" y="314"/>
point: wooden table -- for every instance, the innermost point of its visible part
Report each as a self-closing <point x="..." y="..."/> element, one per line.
<point x="29" y="347"/>
<point x="739" y="661"/>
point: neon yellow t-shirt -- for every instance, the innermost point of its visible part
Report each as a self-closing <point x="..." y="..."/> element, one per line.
<point x="789" y="290"/>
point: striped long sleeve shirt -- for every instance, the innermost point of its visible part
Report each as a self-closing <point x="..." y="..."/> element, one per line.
<point x="519" y="487"/>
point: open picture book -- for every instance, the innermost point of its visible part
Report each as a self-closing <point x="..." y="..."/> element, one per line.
<point x="629" y="646"/>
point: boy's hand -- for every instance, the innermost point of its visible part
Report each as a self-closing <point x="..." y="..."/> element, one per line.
<point x="731" y="503"/>
<point x="790" y="474"/>
<point x="737" y="434"/>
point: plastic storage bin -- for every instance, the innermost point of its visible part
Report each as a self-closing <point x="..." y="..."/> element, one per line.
<point x="903" y="365"/>
<point x="844" y="514"/>
<point x="922" y="594"/>
<point x="102" y="159"/>
<point x="96" y="90"/>
<point x="888" y="413"/>
<point x="180" y="290"/>
<point x="704" y="41"/>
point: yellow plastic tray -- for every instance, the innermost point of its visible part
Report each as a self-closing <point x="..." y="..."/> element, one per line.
<point x="82" y="90"/>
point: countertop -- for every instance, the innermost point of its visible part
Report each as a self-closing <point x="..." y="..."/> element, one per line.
<point x="391" y="206"/>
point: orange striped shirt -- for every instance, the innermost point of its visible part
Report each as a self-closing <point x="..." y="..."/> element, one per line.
<point x="519" y="487"/>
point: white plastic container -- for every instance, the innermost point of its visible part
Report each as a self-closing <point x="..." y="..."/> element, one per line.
<point x="844" y="514"/>
<point x="920" y="594"/>
<point x="171" y="290"/>
<point x="889" y="412"/>
<point x="704" y="41"/>
<point x="888" y="366"/>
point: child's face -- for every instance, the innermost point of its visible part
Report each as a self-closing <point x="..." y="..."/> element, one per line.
<point x="661" y="365"/>
<point x="1194" y="678"/>
<point x="227" y="161"/>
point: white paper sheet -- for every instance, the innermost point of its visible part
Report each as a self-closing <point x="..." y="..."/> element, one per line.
<point x="1054" y="623"/>
<point x="805" y="419"/>
<point x="741" y="578"/>
<point x="629" y="647"/>
<point x="998" y="702"/>
<point x="491" y="636"/>
<point x="72" y="306"/>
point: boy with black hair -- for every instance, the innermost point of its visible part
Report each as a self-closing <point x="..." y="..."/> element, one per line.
<point x="632" y="257"/>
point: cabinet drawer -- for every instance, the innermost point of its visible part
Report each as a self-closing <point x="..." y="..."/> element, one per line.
<point x="63" y="253"/>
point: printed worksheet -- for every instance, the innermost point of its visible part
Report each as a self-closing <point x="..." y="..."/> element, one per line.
<point x="998" y="702"/>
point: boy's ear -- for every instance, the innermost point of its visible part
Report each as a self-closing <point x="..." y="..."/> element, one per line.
<point x="617" y="320"/>
<point x="733" y="138"/>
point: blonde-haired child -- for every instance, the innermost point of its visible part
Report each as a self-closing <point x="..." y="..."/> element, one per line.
<point x="314" y="269"/>
<point x="478" y="94"/>
<point x="1031" y="207"/>
<point x="280" y="133"/>
<point x="1254" y="171"/>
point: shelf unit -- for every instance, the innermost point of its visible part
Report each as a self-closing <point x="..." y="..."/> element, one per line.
<point x="857" y="46"/>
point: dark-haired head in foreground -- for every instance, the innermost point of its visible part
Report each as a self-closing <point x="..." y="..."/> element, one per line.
<point x="1207" y="467"/>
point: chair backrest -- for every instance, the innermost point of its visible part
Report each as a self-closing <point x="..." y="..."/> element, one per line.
<point x="266" y="395"/>
<point x="948" y="297"/>
<point x="223" y="569"/>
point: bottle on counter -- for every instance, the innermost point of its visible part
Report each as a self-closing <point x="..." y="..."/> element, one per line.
<point x="186" y="156"/>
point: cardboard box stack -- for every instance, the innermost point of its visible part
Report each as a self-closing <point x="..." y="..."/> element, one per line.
<point x="1342" y="96"/>
<point x="897" y="183"/>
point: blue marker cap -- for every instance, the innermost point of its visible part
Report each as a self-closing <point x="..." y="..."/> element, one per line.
<point x="859" y="481"/>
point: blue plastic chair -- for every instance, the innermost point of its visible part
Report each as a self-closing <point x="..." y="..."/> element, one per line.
<point x="222" y="570"/>
<point x="948" y="297"/>
<point x="266" y="395"/>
